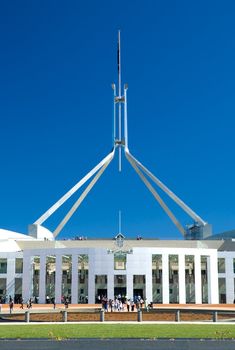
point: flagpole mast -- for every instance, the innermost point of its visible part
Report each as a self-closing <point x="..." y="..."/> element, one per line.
<point x="119" y="65"/>
<point x="119" y="107"/>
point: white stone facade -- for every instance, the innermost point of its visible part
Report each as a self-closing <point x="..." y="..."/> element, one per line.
<point x="161" y="271"/>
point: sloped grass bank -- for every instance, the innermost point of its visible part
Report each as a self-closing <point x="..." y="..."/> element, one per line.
<point x="65" y="331"/>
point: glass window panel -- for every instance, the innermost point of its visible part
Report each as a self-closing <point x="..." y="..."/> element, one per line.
<point x="19" y="265"/>
<point x="3" y="286"/>
<point x="100" y="288"/>
<point x="3" y="265"/>
<point x="18" y="289"/>
<point x="36" y="276"/>
<point x="174" y="278"/>
<point x="189" y="279"/>
<point x="157" y="278"/>
<point x="222" y="291"/>
<point x="83" y="273"/>
<point x="66" y="277"/>
<point x="119" y="261"/>
<point x="221" y="265"/>
<point x="120" y="286"/>
<point x="139" y="287"/>
<point x="50" y="278"/>
<point x="204" y="278"/>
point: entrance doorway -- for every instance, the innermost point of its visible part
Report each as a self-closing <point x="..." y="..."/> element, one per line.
<point x="101" y="293"/>
<point x="120" y="291"/>
<point x="138" y="292"/>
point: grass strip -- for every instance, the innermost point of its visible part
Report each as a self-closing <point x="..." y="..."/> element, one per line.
<point x="148" y="331"/>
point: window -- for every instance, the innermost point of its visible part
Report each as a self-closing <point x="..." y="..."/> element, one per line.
<point x="36" y="275"/>
<point x="3" y="265"/>
<point x="19" y="265"/>
<point x="138" y="279"/>
<point x="66" y="276"/>
<point x="190" y="279"/>
<point x="222" y="291"/>
<point x="3" y="287"/>
<point x="221" y="265"/>
<point x="119" y="261"/>
<point x="120" y="279"/>
<point x="101" y="279"/>
<point x="83" y="274"/>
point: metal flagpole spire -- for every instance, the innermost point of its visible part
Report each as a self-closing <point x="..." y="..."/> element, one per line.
<point x="119" y="97"/>
<point x="119" y="141"/>
<point x="119" y="65"/>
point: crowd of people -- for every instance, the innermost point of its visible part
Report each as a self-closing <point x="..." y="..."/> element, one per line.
<point x="120" y="303"/>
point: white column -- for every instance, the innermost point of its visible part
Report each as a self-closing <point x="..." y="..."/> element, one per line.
<point x="213" y="290"/>
<point x="149" y="285"/>
<point x="110" y="281"/>
<point x="148" y="278"/>
<point x="74" y="279"/>
<point x="42" y="280"/>
<point x="129" y="286"/>
<point x="229" y="279"/>
<point x="91" y="279"/>
<point x="58" y="279"/>
<point x="27" y="278"/>
<point x="182" y="292"/>
<point x="10" y="287"/>
<point x="165" y="279"/>
<point x="198" y="279"/>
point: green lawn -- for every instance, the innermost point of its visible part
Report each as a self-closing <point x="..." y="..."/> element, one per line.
<point x="117" y="331"/>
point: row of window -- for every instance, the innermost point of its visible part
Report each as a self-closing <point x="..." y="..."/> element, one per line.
<point x="119" y="264"/>
<point x="221" y="265"/>
<point x="18" y="265"/>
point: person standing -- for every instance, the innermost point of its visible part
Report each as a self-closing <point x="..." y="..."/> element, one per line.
<point x="132" y="305"/>
<point x="111" y="305"/>
<point x="11" y="305"/>
<point x="66" y="303"/>
<point x="128" y="305"/>
<point x="146" y="304"/>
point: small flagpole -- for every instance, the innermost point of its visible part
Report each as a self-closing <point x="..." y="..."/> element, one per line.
<point x="120" y="221"/>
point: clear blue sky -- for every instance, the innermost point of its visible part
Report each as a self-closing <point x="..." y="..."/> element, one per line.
<point x="57" y="63"/>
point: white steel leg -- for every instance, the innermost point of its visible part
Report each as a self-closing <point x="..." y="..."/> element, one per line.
<point x="156" y="196"/>
<point x="176" y="199"/>
<point x="80" y="199"/>
<point x="63" y="199"/>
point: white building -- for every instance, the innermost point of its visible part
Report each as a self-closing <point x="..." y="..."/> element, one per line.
<point x="81" y="270"/>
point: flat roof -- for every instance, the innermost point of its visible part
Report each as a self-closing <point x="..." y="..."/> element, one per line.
<point x="128" y="244"/>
